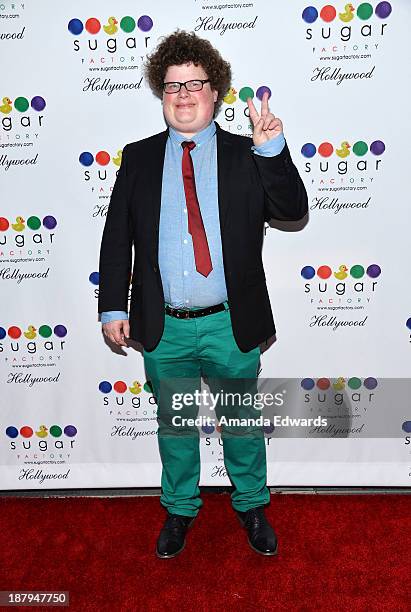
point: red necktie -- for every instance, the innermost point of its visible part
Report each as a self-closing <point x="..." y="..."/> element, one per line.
<point x="195" y="221"/>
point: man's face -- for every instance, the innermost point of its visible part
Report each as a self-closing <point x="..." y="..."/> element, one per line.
<point x="188" y="112"/>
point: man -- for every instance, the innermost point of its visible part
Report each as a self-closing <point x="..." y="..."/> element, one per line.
<point x="194" y="199"/>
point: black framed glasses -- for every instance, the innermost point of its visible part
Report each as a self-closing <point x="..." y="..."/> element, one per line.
<point x="193" y="85"/>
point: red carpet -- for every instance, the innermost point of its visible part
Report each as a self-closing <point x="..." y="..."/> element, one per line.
<point x="343" y="553"/>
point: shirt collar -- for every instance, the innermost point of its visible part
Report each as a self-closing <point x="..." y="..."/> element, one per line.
<point x="200" y="138"/>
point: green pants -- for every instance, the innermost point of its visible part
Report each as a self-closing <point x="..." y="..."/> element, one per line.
<point x="189" y="349"/>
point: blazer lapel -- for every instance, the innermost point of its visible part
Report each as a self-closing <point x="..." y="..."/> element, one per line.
<point x="224" y="173"/>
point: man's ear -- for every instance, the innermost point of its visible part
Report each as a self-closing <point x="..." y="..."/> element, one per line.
<point x="215" y="94"/>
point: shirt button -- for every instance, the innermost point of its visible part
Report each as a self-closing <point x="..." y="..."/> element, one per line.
<point x="185" y="241"/>
<point x="187" y="301"/>
<point x="185" y="273"/>
<point x="185" y="210"/>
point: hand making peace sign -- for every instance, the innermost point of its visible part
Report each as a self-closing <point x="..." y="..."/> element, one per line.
<point x="265" y="125"/>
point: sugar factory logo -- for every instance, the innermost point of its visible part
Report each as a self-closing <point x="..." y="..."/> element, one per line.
<point x="344" y="290"/>
<point x="110" y="47"/>
<point x="350" y="34"/>
<point x="132" y="402"/>
<point x="32" y="345"/>
<point x="354" y="393"/>
<point x="30" y="443"/>
<point x="99" y="172"/>
<point x="22" y="120"/>
<point x="26" y="241"/>
<point x="94" y="279"/>
<point x="235" y="110"/>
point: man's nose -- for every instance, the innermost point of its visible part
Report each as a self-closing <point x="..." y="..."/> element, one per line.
<point x="183" y="93"/>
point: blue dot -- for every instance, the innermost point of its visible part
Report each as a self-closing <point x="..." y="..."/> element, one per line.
<point x="308" y="272"/>
<point x="105" y="386"/>
<point x="408" y="324"/>
<point x="406" y="426"/>
<point x="94" y="278"/>
<point x="268" y="428"/>
<point x="2" y="333"/>
<point x="86" y="158"/>
<point x="310" y="14"/>
<point x="75" y="26"/>
<point x="12" y="432"/>
<point x="208" y="429"/>
<point x="308" y="149"/>
<point x="307" y="384"/>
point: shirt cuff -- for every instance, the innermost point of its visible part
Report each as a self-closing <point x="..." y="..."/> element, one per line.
<point x="270" y="148"/>
<point x="113" y="315"/>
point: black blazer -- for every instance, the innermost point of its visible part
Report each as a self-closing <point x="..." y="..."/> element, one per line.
<point x="251" y="189"/>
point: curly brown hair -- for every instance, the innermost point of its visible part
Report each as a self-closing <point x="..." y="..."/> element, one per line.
<point x="182" y="47"/>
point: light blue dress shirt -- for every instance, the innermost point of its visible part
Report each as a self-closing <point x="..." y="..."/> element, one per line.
<point x="183" y="286"/>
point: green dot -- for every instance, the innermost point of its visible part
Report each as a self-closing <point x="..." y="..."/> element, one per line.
<point x="55" y="431"/>
<point x="33" y="223"/>
<point x="357" y="271"/>
<point x="147" y="387"/>
<point x="127" y="24"/>
<point x="246" y="92"/>
<point x="45" y="331"/>
<point x="21" y="104"/>
<point x="354" y="383"/>
<point x="360" y="148"/>
<point x="365" y="10"/>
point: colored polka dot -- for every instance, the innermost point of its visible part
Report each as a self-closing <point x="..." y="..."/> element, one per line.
<point x="103" y="158"/>
<point x="261" y="91"/>
<point x="86" y="158"/>
<point x="324" y="272"/>
<point x="60" y="331"/>
<point x="245" y="93"/>
<point x="3" y="333"/>
<point x="75" y="26"/>
<point x="38" y="103"/>
<point x="408" y="324"/>
<point x="145" y="23"/>
<point x="55" y="431"/>
<point x="406" y="426"/>
<point x="325" y="149"/>
<point x="120" y="386"/>
<point x="21" y="104"/>
<point x="323" y="384"/>
<point x="105" y="386"/>
<point x="307" y="384"/>
<point x="328" y="13"/>
<point x="49" y="222"/>
<point x="33" y="223"/>
<point x="94" y="278"/>
<point x="26" y="431"/>
<point x="4" y="224"/>
<point x="208" y="429"/>
<point x="357" y="271"/>
<point x="373" y="270"/>
<point x="12" y="432"/>
<point x="14" y="332"/>
<point x="308" y="149"/>
<point x="93" y="26"/>
<point x="354" y="383"/>
<point x="45" y="331"/>
<point x="70" y="431"/>
<point x="360" y="148"/>
<point x="308" y="272"/>
<point x="383" y="10"/>
<point x="268" y="428"/>
<point x="377" y="147"/>
<point x="310" y="14"/>
<point x="148" y="387"/>
<point x="370" y="383"/>
<point x="127" y="24"/>
<point x="364" y="11"/>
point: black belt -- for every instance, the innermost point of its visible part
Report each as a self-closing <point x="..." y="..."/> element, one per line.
<point x="180" y="313"/>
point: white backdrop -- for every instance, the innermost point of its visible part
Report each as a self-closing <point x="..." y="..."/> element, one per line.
<point x="76" y="414"/>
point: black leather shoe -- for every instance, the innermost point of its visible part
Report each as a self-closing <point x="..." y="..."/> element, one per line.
<point x="261" y="536"/>
<point x="171" y="540"/>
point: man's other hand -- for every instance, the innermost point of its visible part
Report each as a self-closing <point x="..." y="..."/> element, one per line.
<point x="117" y="331"/>
<point x="266" y="125"/>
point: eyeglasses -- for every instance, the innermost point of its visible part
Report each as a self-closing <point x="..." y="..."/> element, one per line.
<point x="194" y="85"/>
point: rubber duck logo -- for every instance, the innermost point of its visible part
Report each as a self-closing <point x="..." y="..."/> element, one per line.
<point x="344" y="150"/>
<point x="42" y="431"/>
<point x="121" y="387"/>
<point x="126" y="24"/>
<point x="44" y="331"/>
<point x="338" y="384"/>
<point x="244" y="93"/>
<point x="33" y="223"/>
<point x="102" y="158"/>
<point x="356" y="271"/>
<point x="363" y="12"/>
<point x="22" y="104"/>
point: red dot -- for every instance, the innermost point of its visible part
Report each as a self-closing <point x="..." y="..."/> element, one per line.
<point x="93" y="26"/>
<point x="26" y="431"/>
<point x="4" y="224"/>
<point x="324" y="272"/>
<point x="14" y="332"/>
<point x="103" y="158"/>
<point x="120" y="386"/>
<point x="325" y="149"/>
<point x="323" y="384"/>
<point x="328" y="13"/>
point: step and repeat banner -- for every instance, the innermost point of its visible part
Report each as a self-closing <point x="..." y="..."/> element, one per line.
<point x="74" y="413"/>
